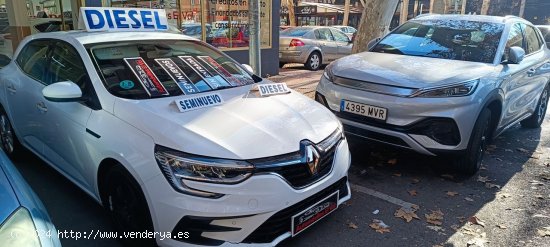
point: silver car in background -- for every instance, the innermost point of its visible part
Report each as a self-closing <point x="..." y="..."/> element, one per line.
<point x="312" y="46"/>
<point x="349" y="31"/>
<point x="443" y="85"/>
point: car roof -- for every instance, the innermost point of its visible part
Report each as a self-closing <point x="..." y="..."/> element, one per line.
<point x="479" y="18"/>
<point x="84" y="37"/>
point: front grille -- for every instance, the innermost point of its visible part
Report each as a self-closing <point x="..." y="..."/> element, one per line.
<point x="280" y="223"/>
<point x="298" y="175"/>
<point x="375" y="136"/>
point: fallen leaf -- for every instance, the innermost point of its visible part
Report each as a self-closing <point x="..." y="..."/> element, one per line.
<point x="452" y="193"/>
<point x="406" y="213"/>
<point x="352" y="225"/>
<point x="491" y="185"/>
<point x="539" y="197"/>
<point x="504" y="195"/>
<point x="379" y="226"/>
<point x="392" y="162"/>
<point x="499" y="159"/>
<point x="455" y="227"/>
<point x="415" y="180"/>
<point x="436" y="228"/>
<point x="501" y="226"/>
<point x="544" y="232"/>
<point x="397" y="174"/>
<point x="545" y="176"/>
<point x="461" y="219"/>
<point x="483" y="179"/>
<point x="449" y="176"/>
<point x="435" y="217"/>
<point x="412" y="192"/>
<point x="376" y="211"/>
<point x="523" y="150"/>
<point x="468" y="199"/>
<point x="475" y="220"/>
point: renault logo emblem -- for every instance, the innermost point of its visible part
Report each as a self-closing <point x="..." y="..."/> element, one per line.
<point x="312" y="159"/>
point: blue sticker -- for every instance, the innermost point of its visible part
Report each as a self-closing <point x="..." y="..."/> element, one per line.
<point x="126" y="84"/>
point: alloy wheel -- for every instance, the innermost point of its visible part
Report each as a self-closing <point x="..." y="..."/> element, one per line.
<point x="543" y="105"/>
<point x="314" y="61"/>
<point x="6" y="134"/>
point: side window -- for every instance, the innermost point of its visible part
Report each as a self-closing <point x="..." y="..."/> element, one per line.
<point x="33" y="59"/>
<point x="66" y="65"/>
<point x="533" y="40"/>
<point x="339" y="36"/>
<point x="325" y="34"/>
<point x="515" y="38"/>
<point x="317" y="34"/>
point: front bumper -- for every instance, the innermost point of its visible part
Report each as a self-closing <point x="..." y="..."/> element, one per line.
<point x="240" y="217"/>
<point x="403" y="118"/>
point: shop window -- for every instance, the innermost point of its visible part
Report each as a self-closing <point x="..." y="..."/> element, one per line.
<point x="50" y="15"/>
<point x="227" y="23"/>
<point x="6" y="49"/>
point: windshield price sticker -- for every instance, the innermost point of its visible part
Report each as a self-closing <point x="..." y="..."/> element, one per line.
<point x="146" y="77"/>
<point x="198" y="102"/>
<point x="273" y="89"/>
<point x="212" y="81"/>
<point x="221" y="70"/>
<point x="177" y="75"/>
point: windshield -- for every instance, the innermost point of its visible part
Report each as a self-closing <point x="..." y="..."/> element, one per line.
<point x="164" y="68"/>
<point x="448" y="39"/>
<point x="295" y="32"/>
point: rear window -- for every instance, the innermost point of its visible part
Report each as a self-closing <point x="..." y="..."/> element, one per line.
<point x="295" y="32"/>
<point x="164" y="68"/>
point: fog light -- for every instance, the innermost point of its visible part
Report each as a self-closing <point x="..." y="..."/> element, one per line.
<point x="442" y="130"/>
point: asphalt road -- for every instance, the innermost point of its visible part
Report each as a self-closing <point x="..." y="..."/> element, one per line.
<point x="507" y="201"/>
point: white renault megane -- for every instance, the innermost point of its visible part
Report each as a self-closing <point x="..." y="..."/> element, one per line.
<point x="173" y="136"/>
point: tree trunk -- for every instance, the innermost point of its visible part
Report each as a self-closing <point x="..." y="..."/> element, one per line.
<point x="346" y="13"/>
<point x="291" y="15"/>
<point x="375" y="21"/>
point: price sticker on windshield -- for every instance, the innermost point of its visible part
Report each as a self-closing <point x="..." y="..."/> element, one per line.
<point x="273" y="89"/>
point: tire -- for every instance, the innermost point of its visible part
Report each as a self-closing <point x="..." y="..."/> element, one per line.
<point x="10" y="143"/>
<point x="314" y="61"/>
<point x="126" y="204"/>
<point x="470" y="162"/>
<point x="281" y="64"/>
<point x="535" y="120"/>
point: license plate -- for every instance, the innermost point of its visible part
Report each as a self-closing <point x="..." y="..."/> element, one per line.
<point x="311" y="215"/>
<point x="364" y="110"/>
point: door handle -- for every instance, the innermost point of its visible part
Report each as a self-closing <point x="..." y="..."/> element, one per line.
<point x="531" y="72"/>
<point x="11" y="88"/>
<point x="42" y="107"/>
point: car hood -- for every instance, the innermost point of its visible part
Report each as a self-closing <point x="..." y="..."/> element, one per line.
<point x="408" y="71"/>
<point x="8" y="199"/>
<point x="245" y="126"/>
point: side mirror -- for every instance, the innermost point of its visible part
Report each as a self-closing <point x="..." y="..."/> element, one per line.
<point x="372" y="43"/>
<point x="65" y="91"/>
<point x="515" y="55"/>
<point x="4" y="60"/>
<point x="248" y="68"/>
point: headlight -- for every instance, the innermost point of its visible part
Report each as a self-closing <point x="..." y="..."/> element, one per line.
<point x="179" y="167"/>
<point x="19" y="230"/>
<point x="456" y="90"/>
<point x="328" y="72"/>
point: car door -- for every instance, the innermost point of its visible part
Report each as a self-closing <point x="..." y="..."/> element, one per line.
<point x="328" y="45"/>
<point x="343" y="43"/>
<point x="518" y="84"/>
<point x="537" y="73"/>
<point x="24" y="93"/>
<point x="65" y="138"/>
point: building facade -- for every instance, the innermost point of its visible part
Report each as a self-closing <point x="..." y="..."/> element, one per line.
<point x="221" y="23"/>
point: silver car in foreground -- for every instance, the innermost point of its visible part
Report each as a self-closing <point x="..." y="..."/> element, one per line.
<point x="312" y="46"/>
<point x="444" y="89"/>
<point x="23" y="219"/>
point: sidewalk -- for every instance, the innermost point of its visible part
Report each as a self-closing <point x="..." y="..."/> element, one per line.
<point x="299" y="78"/>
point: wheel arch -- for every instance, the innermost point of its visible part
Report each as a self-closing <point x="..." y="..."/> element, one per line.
<point x="494" y="102"/>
